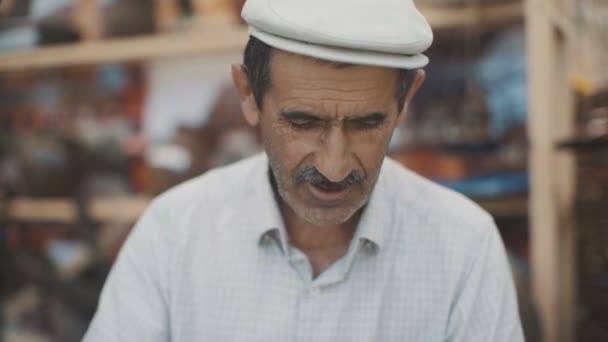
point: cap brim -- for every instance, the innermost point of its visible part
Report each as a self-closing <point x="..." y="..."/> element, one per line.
<point x="341" y="55"/>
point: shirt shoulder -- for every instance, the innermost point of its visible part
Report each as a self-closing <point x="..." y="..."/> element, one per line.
<point x="436" y="206"/>
<point x="437" y="228"/>
<point x="213" y="187"/>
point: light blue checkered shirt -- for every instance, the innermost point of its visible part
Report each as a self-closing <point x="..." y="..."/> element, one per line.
<point x="209" y="261"/>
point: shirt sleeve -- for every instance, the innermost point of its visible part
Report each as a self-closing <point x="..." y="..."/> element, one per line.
<point x="133" y="303"/>
<point x="485" y="309"/>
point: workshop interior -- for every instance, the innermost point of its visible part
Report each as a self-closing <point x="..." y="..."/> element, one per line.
<point x="105" y="104"/>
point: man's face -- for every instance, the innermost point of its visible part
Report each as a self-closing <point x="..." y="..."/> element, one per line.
<point x="326" y="131"/>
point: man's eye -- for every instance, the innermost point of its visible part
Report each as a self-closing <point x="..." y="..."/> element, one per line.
<point x="369" y="123"/>
<point x="301" y="122"/>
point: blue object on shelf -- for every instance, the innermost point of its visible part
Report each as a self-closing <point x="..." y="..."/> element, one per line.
<point x="490" y="185"/>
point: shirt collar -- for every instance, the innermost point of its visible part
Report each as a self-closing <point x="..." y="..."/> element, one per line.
<point x="268" y="221"/>
<point x="376" y="216"/>
<point x="266" y="216"/>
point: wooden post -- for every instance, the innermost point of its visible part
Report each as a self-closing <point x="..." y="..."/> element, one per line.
<point x="551" y="118"/>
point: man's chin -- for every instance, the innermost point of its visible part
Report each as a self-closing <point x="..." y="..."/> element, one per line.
<point x="319" y="213"/>
<point x="324" y="217"/>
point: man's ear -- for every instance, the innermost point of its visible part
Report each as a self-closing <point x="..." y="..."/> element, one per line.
<point x="248" y="103"/>
<point x="416" y="84"/>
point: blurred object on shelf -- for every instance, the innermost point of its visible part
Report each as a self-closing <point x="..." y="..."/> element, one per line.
<point x="21" y="318"/>
<point x="222" y="138"/>
<point x="16" y="29"/>
<point x="72" y="132"/>
<point x="95" y="19"/>
<point x="482" y="94"/>
<point x="493" y="185"/>
<point x="12" y="13"/>
<point x="475" y="170"/>
<point x="184" y="157"/>
<point x="228" y="131"/>
<point x="65" y="21"/>
<point x="597" y="124"/>
<point x="65" y="282"/>
<point x="466" y="129"/>
<point x="181" y="92"/>
<point x="168" y="13"/>
<point x="589" y="45"/>
<point x="432" y="164"/>
<point x="6" y="7"/>
<point x="218" y="13"/>
<point x="125" y="18"/>
<point x="192" y="119"/>
<point x="49" y="165"/>
<point x="172" y="157"/>
<point x="592" y="123"/>
<point x="24" y="37"/>
<point x="594" y="118"/>
<point x="69" y="257"/>
<point x="87" y="19"/>
<point x="501" y="74"/>
<point x="474" y="16"/>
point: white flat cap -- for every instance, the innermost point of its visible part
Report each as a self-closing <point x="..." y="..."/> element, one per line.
<point x="388" y="33"/>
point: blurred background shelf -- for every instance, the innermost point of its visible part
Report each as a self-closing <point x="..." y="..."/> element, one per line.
<point x="62" y="210"/>
<point x="230" y="39"/>
<point x="480" y="16"/>
<point x="584" y="143"/>
<point x="157" y="46"/>
<point x="513" y="206"/>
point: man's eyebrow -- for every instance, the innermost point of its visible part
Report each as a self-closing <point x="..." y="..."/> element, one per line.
<point x="299" y="114"/>
<point x="370" y="116"/>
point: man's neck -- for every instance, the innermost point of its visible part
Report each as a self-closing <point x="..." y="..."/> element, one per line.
<point x="322" y="245"/>
<point x="308" y="237"/>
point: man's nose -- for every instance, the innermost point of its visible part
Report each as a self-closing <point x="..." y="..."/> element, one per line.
<point x="334" y="159"/>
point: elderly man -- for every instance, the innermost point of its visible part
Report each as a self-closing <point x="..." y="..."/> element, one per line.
<point x="321" y="238"/>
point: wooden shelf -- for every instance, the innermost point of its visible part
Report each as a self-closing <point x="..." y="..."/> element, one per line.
<point x="214" y="41"/>
<point x="159" y="46"/>
<point x="472" y="16"/>
<point x="61" y="210"/>
<point x="584" y="143"/>
<point x="506" y="207"/>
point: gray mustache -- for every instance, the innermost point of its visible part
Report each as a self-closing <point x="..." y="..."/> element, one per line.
<point x="311" y="175"/>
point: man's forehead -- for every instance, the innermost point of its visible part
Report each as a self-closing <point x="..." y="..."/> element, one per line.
<point x="286" y="64"/>
<point x="302" y="83"/>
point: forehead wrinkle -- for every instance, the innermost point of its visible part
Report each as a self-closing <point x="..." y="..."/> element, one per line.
<point x="336" y="95"/>
<point x="338" y="102"/>
<point x="334" y="110"/>
<point x="311" y="86"/>
<point x="328" y="77"/>
<point x="363" y="83"/>
<point x="313" y="104"/>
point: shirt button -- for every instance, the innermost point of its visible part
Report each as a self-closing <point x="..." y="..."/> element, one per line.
<point x="314" y="291"/>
